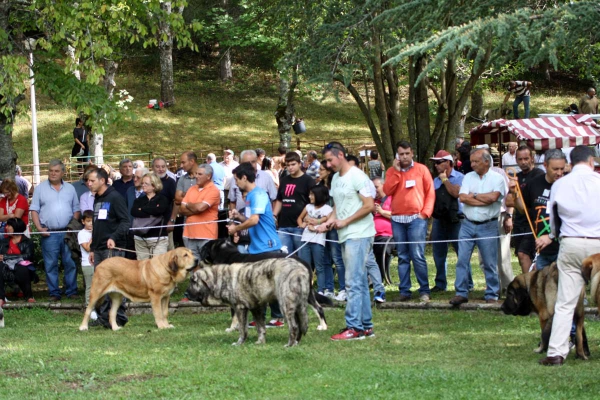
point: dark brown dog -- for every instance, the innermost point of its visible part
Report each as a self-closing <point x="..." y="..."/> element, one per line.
<point x="536" y="292"/>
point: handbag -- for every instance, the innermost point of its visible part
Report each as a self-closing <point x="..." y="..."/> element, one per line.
<point x="143" y="225"/>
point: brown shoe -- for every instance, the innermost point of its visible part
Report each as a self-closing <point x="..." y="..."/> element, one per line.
<point x="73" y="297"/>
<point x="54" y="299"/>
<point x="458" y="300"/>
<point x="404" y="298"/>
<point x="491" y="301"/>
<point x="550" y="361"/>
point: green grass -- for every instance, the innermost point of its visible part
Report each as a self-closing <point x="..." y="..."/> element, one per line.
<point x="416" y="354"/>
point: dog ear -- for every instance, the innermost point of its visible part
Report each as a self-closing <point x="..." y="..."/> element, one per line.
<point x="173" y="265"/>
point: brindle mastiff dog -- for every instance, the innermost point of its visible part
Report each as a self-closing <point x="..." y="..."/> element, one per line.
<point x="222" y="251"/>
<point x="250" y="286"/>
<point x="150" y="280"/>
<point x="536" y="292"/>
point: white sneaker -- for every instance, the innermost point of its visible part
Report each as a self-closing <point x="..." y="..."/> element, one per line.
<point x="424" y="298"/>
<point x="341" y="296"/>
<point x="329" y="294"/>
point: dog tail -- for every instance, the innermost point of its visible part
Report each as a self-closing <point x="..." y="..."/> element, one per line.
<point x="321" y="299"/>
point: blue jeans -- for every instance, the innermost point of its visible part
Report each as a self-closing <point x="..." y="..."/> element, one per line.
<point x="54" y="246"/>
<point x="358" y="307"/>
<point x="335" y="250"/>
<point x="488" y="249"/>
<point x="442" y="230"/>
<point x="320" y="259"/>
<point x="415" y="231"/>
<point x="293" y="242"/>
<point x="519" y="100"/>
<point x="543" y="261"/>
<point x="374" y="273"/>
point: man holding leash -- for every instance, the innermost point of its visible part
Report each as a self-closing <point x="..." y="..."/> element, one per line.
<point x="352" y="218"/>
<point x="572" y="203"/>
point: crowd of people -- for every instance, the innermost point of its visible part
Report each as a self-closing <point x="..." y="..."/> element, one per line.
<point x="322" y="208"/>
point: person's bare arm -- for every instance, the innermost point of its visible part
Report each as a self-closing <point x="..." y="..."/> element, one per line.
<point x="480" y="201"/>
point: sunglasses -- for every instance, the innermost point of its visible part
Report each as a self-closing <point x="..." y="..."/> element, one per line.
<point x="335" y="145"/>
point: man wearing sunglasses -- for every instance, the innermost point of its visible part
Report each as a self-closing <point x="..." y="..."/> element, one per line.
<point x="447" y="214"/>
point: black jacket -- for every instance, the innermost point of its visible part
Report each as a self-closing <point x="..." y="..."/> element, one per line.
<point x="111" y="220"/>
<point x="25" y="246"/>
<point x="159" y="205"/>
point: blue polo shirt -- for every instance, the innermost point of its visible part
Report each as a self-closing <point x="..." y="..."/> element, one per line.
<point x="55" y="207"/>
<point x="218" y="175"/>
<point x="455" y="178"/>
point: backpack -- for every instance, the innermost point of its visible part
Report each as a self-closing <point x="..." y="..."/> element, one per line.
<point x="446" y="206"/>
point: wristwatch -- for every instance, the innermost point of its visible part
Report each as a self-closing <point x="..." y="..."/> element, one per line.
<point x="474" y="195"/>
<point x="508" y="215"/>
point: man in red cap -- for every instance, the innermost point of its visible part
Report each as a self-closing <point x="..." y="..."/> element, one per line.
<point x="447" y="214"/>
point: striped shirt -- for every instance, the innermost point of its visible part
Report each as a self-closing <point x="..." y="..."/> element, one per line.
<point x="521" y="90"/>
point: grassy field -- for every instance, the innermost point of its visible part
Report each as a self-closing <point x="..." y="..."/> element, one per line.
<point x="415" y="354"/>
<point x="210" y="116"/>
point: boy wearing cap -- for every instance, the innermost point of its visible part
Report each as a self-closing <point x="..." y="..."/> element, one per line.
<point x="445" y="225"/>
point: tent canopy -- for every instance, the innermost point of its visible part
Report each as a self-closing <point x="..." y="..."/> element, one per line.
<point x="540" y="133"/>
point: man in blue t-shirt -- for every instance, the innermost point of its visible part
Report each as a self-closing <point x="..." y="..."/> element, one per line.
<point x="258" y="219"/>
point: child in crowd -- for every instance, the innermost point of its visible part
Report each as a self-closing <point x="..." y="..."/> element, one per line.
<point x="313" y="215"/>
<point x="84" y="237"/>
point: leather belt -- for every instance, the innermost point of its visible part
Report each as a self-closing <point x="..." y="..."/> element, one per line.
<point x="481" y="222"/>
<point x="580" y="237"/>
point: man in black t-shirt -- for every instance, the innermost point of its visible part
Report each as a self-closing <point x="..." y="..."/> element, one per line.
<point x="524" y="244"/>
<point x="536" y="195"/>
<point x="292" y="197"/>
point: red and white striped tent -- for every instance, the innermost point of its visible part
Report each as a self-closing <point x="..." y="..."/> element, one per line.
<point x="540" y="133"/>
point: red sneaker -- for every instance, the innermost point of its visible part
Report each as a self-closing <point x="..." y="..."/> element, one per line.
<point x="252" y="324"/>
<point x="184" y="300"/>
<point x="274" y="323"/>
<point x="349" y="334"/>
<point x="369" y="332"/>
<point x="31" y="300"/>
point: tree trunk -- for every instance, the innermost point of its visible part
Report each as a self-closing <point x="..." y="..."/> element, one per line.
<point x="97" y="148"/>
<point x="410" y="120"/>
<point x="477" y="103"/>
<point x="167" y="84"/>
<point x="422" y="122"/>
<point x="381" y="104"/>
<point x="8" y="156"/>
<point x="110" y="71"/>
<point x="225" y="72"/>
<point x="285" y="114"/>
<point x="75" y="68"/>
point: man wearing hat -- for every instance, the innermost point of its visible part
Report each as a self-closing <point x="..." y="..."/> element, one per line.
<point x="228" y="165"/>
<point x="447" y="214"/>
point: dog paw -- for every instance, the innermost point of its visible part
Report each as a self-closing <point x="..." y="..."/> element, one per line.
<point x="116" y="328"/>
<point x="83" y="328"/>
<point x="322" y="327"/>
<point x="292" y="344"/>
<point x="238" y="343"/>
<point x="539" y="350"/>
<point x="229" y="330"/>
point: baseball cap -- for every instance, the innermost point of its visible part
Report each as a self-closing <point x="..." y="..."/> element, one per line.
<point x="442" y="155"/>
<point x="228" y="151"/>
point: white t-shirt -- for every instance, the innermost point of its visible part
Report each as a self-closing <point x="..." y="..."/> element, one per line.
<point x="84" y="236"/>
<point x="312" y="212"/>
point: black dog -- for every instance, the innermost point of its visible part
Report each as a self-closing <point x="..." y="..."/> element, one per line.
<point x="223" y="251"/>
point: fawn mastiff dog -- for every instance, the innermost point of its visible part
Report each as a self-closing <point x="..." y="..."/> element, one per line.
<point x="150" y="280"/>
